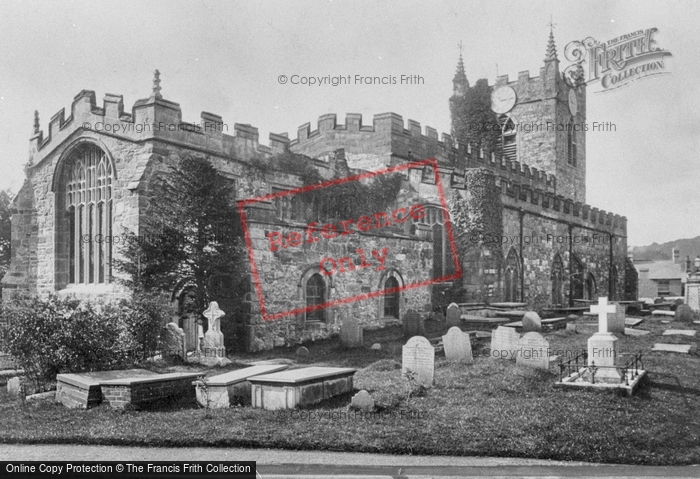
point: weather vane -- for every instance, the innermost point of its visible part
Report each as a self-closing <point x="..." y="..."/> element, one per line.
<point x="460" y="47"/>
<point x="551" y="24"/>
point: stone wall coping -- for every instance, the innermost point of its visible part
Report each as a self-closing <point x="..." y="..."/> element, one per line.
<point x="96" y="378"/>
<point x="155" y="379"/>
<point x="240" y="375"/>
<point x="302" y="376"/>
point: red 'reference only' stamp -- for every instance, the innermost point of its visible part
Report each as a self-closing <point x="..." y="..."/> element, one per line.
<point x="319" y="231"/>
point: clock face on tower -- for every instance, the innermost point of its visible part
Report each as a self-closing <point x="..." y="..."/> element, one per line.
<point x="503" y="99"/>
<point x="573" y="103"/>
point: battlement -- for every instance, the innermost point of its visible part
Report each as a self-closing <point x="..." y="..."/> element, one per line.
<point x="150" y="119"/>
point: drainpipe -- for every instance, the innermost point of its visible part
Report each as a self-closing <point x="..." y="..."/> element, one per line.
<point x="522" y="259"/>
<point x="571" y="262"/>
<point x="611" y="287"/>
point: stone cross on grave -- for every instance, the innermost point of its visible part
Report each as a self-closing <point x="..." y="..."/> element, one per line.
<point x="602" y="309"/>
<point x="214" y="314"/>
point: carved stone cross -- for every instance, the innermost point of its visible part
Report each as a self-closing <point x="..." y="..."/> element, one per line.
<point x="602" y="309"/>
<point x="214" y="314"/>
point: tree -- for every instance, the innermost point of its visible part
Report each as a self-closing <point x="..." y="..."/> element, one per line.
<point x="191" y="231"/>
<point x="5" y="231"/>
<point x="473" y="121"/>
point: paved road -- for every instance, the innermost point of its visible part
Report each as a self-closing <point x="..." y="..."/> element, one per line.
<point x="279" y="464"/>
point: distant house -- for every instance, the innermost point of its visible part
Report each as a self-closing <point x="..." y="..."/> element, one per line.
<point x="661" y="278"/>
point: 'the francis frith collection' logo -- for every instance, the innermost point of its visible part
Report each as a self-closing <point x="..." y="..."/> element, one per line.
<point x="617" y="62"/>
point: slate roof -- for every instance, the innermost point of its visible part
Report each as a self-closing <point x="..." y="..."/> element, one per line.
<point x="662" y="269"/>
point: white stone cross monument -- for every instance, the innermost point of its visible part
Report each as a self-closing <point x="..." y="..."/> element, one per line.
<point x="214" y="338"/>
<point x="602" y="346"/>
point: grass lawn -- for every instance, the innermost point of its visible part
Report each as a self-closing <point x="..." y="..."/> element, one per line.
<point x="490" y="408"/>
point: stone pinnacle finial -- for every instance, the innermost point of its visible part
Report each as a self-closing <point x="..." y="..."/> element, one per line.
<point x="460" y="81"/>
<point x="156" y="86"/>
<point x="36" y="122"/>
<point x="551" y="47"/>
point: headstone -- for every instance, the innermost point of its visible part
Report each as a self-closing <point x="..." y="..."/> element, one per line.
<point x="362" y="401"/>
<point x="684" y="314"/>
<point x="173" y="341"/>
<point x="190" y="326"/>
<point x="457" y="345"/>
<point x="533" y="351"/>
<point x="454" y="315"/>
<point x="214" y="338"/>
<point x="692" y="293"/>
<point x="376" y="347"/>
<point x="571" y="327"/>
<point x="418" y="356"/>
<point x="532" y="322"/>
<point x="636" y="332"/>
<point x="413" y="324"/>
<point x="616" y="320"/>
<point x="302" y="351"/>
<point x="13" y="387"/>
<point x="602" y="346"/>
<point x="504" y="343"/>
<point x="351" y="333"/>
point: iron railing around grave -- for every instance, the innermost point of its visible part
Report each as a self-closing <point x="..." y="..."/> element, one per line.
<point x="579" y="361"/>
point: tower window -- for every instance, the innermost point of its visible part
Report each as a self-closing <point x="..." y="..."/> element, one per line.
<point x="571" y="142"/>
<point x="315" y="295"/>
<point x="509" y="145"/>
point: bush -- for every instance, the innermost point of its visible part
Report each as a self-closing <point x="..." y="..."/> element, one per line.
<point x="56" y="335"/>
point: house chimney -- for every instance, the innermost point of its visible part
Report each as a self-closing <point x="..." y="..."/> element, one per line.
<point x="676" y="254"/>
<point x="688" y="264"/>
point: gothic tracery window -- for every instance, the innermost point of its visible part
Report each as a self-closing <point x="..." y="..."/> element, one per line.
<point x="89" y="211"/>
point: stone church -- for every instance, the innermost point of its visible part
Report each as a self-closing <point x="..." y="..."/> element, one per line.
<point x="88" y="176"/>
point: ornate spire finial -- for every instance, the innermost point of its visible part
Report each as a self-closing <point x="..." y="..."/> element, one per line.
<point x="36" y="122"/>
<point x="156" y="86"/>
<point x="460" y="82"/>
<point x="551" y="47"/>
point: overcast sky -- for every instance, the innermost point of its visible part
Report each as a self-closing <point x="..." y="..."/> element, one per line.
<point x="226" y="58"/>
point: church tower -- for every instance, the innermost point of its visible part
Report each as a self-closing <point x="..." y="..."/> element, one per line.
<point x="549" y="118"/>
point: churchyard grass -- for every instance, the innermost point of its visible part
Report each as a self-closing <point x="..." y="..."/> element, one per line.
<point x="489" y="408"/>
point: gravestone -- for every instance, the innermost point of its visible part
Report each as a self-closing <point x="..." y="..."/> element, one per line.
<point x="413" y="324"/>
<point x="362" y="401"/>
<point x="684" y="314"/>
<point x="533" y="351"/>
<point x="603" y="345"/>
<point x="571" y="327"/>
<point x="190" y="327"/>
<point x="532" y="322"/>
<point x="692" y="293"/>
<point x="457" y="345"/>
<point x="351" y="333"/>
<point x="418" y="356"/>
<point x="302" y="351"/>
<point x="214" y="338"/>
<point x="504" y="343"/>
<point x="376" y="347"/>
<point x="454" y="315"/>
<point x="13" y="387"/>
<point x="173" y="341"/>
<point x="616" y="320"/>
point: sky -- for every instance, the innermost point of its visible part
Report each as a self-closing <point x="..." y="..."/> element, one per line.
<point x="226" y="58"/>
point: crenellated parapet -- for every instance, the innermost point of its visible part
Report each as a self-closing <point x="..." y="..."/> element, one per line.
<point x="149" y="119"/>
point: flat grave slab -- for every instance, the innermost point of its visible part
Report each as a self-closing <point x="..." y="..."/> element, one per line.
<point x="632" y="322"/>
<point x="299" y="387"/>
<point x="636" y="332"/>
<point x="672" y="348"/>
<point x="513" y="314"/>
<point x="223" y="390"/>
<point x="679" y="332"/>
<point x="662" y="312"/>
<point x="580" y="380"/>
<point x="696" y="322"/>
<point x="482" y="323"/>
<point x="554" y="323"/>
<point x="139" y="391"/>
<point x="509" y="305"/>
<point x="83" y="390"/>
<point x="517" y="324"/>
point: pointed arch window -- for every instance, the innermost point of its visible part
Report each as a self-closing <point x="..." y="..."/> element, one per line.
<point x="557" y="282"/>
<point x="391" y="299"/>
<point x="443" y="260"/>
<point x="315" y="295"/>
<point x="89" y="210"/>
<point x="512" y="277"/>
<point x="509" y="144"/>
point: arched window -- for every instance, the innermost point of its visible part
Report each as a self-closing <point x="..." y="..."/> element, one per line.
<point x="509" y="145"/>
<point x="88" y="206"/>
<point x="591" y="288"/>
<point x="391" y="299"/>
<point x="512" y="277"/>
<point x="557" y="281"/>
<point x="315" y="295"/>
<point x="576" y="277"/>
<point x="613" y="283"/>
<point x="571" y="142"/>
<point x="443" y="261"/>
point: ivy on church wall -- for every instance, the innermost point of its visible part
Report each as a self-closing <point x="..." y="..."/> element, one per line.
<point x="473" y="121"/>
